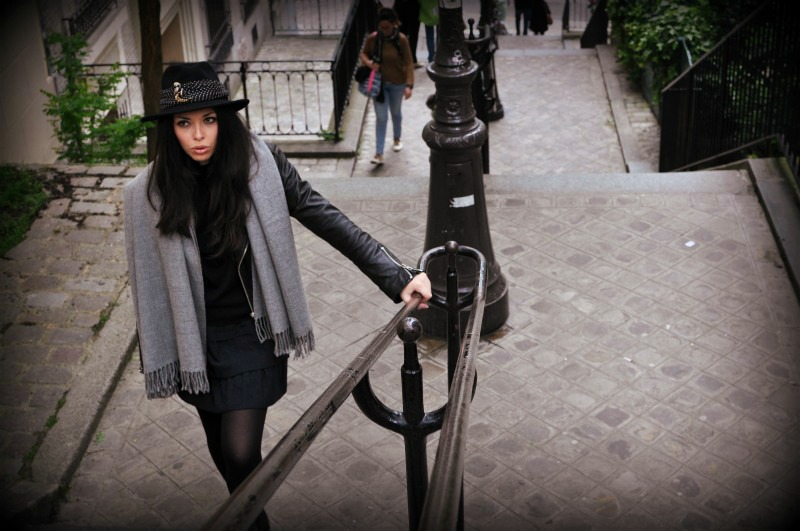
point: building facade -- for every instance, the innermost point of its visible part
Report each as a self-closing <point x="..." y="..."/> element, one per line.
<point x="191" y="30"/>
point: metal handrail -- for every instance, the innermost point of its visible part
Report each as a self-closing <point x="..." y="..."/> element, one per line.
<point x="249" y="499"/>
<point x="442" y="508"/>
<point x="443" y="504"/>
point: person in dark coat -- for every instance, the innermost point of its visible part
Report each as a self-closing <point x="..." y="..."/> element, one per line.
<point x="408" y="14"/>
<point x="213" y="269"/>
<point x="540" y="17"/>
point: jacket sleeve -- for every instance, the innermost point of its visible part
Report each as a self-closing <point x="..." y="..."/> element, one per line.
<point x="326" y="221"/>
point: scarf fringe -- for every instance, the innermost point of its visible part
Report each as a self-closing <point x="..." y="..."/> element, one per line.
<point x="195" y="382"/>
<point x="164" y="381"/>
<point x="263" y="330"/>
<point x="285" y="341"/>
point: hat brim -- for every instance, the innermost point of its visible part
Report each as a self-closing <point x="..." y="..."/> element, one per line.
<point x="234" y="105"/>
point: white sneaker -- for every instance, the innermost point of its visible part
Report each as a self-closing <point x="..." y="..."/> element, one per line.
<point x="398" y="146"/>
<point x="377" y="159"/>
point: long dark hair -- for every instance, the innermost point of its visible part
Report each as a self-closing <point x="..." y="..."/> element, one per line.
<point x="174" y="179"/>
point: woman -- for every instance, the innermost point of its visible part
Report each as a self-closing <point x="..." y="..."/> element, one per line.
<point x="387" y="50"/>
<point x="214" y="274"/>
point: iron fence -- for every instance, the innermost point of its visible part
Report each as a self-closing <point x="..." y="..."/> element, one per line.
<point x="89" y="16"/>
<point x="745" y="89"/>
<point x="287" y="97"/>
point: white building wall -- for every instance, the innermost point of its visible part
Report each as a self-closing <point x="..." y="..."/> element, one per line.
<point x="26" y="135"/>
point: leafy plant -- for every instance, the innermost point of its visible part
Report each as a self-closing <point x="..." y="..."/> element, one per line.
<point x="83" y="114"/>
<point x="21" y="197"/>
<point x="648" y="33"/>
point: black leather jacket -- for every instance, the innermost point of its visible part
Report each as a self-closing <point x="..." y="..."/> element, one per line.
<point x="326" y="221"/>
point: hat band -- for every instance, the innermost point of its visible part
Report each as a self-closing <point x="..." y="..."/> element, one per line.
<point x="192" y="92"/>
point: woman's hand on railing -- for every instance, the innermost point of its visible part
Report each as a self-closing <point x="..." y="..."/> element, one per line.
<point x="421" y="285"/>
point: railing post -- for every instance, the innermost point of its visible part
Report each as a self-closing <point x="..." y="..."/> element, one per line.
<point x="409" y="331"/>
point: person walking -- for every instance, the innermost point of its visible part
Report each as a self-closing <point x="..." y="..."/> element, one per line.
<point x="523" y="9"/>
<point x="397" y="78"/>
<point x="429" y="16"/>
<point x="214" y="273"/>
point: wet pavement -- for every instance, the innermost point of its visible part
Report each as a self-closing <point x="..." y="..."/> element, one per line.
<point x="647" y="376"/>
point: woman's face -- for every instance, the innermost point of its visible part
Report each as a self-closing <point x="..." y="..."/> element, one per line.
<point x="197" y="133"/>
<point x="386" y="27"/>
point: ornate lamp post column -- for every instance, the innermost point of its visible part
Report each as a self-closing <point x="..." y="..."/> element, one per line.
<point x="456" y="201"/>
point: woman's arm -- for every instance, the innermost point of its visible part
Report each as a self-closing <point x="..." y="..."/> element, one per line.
<point x="326" y="221"/>
<point x="365" y="58"/>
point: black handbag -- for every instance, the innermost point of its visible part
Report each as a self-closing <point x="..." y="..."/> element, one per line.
<point x="369" y="80"/>
<point x="362" y="73"/>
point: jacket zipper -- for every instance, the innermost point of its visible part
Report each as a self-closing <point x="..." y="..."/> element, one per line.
<point x="241" y="280"/>
<point x="410" y="271"/>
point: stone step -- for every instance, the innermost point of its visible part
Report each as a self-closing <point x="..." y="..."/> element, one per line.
<point x="711" y="181"/>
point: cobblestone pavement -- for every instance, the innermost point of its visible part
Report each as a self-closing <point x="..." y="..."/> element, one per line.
<point x="646" y="378"/>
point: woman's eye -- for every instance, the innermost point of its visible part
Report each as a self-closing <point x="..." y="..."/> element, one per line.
<point x="211" y="119"/>
<point x="182" y="123"/>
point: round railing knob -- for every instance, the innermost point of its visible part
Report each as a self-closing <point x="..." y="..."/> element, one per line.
<point x="409" y="330"/>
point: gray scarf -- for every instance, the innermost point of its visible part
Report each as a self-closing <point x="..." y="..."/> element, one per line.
<point x="167" y="283"/>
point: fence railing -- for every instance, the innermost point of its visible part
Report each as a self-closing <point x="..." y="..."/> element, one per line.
<point x="743" y="90"/>
<point x="439" y="507"/>
<point x="89" y="16"/>
<point x="361" y="19"/>
<point x="287" y="97"/>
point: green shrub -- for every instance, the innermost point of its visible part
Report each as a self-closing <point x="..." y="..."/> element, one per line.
<point x="21" y="197"/>
<point x="646" y="33"/>
<point x="83" y="114"/>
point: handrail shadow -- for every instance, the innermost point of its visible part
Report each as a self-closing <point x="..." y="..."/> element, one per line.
<point x="441" y="506"/>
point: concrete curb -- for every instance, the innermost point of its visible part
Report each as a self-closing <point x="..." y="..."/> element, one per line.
<point x="631" y="154"/>
<point x="65" y="445"/>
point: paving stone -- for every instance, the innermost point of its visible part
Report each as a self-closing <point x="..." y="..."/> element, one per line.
<point x="638" y="384"/>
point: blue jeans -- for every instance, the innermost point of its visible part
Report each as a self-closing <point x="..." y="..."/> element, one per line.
<point x="526" y="17"/>
<point x="392" y="101"/>
<point x="430" y="40"/>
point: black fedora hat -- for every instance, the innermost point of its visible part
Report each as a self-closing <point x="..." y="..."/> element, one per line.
<point x="190" y="86"/>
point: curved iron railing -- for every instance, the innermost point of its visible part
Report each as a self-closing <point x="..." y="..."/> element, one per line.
<point x="443" y="507"/>
<point x="439" y="507"/>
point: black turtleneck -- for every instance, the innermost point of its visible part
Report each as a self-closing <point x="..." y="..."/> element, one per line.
<point x="226" y="302"/>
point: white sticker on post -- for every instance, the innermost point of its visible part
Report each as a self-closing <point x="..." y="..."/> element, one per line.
<point x="461" y="202"/>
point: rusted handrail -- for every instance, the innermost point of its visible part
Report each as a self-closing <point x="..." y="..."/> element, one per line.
<point x="249" y="499"/>
<point x="442" y="504"/>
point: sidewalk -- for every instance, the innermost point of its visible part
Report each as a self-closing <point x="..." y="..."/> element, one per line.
<point x="647" y="376"/>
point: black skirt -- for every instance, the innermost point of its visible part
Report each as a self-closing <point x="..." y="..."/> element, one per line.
<point x="242" y="372"/>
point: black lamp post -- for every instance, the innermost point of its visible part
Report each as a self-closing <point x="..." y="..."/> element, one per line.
<point x="456" y="201"/>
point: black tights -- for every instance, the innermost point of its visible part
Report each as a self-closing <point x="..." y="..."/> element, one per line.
<point x="234" y="441"/>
